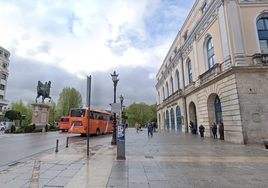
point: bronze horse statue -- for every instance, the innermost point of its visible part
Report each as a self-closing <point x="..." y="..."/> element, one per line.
<point x="43" y="90"/>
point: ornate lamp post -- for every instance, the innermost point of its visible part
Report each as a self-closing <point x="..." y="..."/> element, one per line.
<point x="115" y="80"/>
<point x="123" y="112"/>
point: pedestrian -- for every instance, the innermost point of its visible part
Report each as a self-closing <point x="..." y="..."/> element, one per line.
<point x="137" y="127"/>
<point x="150" y="129"/>
<point x="126" y="125"/>
<point x="214" y="130"/>
<point x="201" y="130"/>
<point x="221" y="130"/>
<point x="154" y="126"/>
<point x="191" y="126"/>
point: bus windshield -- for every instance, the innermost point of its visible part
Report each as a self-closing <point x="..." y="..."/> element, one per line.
<point x="78" y="112"/>
<point x="64" y="120"/>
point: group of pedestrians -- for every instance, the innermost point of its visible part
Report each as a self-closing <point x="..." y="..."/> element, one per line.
<point x="214" y="129"/>
<point x="151" y="128"/>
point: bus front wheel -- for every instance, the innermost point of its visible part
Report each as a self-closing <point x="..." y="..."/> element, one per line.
<point x="97" y="132"/>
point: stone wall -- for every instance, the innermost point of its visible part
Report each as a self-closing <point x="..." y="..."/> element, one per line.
<point x="252" y="91"/>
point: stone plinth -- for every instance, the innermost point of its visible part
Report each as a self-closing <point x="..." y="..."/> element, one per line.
<point x="40" y="115"/>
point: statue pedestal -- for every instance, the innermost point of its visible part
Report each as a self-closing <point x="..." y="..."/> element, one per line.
<point x="40" y="115"/>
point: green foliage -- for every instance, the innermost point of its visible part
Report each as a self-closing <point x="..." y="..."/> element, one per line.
<point x="46" y="127"/>
<point x="17" y="131"/>
<point x="69" y="98"/>
<point x="13" y="115"/>
<point x="52" y="111"/>
<point x="12" y="129"/>
<point x="38" y="130"/>
<point x="141" y="113"/>
<point x="26" y="110"/>
<point x="29" y="128"/>
<point x="7" y="131"/>
<point x="53" y="126"/>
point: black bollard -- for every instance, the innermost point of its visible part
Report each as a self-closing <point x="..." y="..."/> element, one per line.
<point x="57" y="145"/>
<point x="67" y="142"/>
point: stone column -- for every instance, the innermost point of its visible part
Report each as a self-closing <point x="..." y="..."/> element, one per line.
<point x="239" y="55"/>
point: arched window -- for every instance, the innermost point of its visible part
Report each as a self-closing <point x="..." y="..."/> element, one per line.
<point x="210" y="53"/>
<point x="190" y="71"/>
<point x="171" y="82"/>
<point x="218" y="112"/>
<point x="262" y="26"/>
<point x="178" y="78"/>
<point x="163" y="93"/>
<point x="167" y="89"/>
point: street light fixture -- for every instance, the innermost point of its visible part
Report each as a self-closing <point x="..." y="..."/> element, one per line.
<point x="115" y="80"/>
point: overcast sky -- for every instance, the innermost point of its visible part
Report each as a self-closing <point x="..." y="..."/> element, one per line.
<point x="65" y="40"/>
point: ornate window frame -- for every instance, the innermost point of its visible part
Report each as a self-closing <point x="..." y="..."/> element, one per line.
<point x="171" y="83"/>
<point x="178" y="79"/>
<point x="167" y="88"/>
<point x="208" y="37"/>
<point x="189" y="71"/>
<point x="260" y="15"/>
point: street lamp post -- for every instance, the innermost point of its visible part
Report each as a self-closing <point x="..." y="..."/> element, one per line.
<point x="123" y="111"/>
<point x="115" y="80"/>
<point x="121" y="100"/>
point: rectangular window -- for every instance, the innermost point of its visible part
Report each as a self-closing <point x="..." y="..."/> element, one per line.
<point x="2" y="87"/>
<point x="4" y="77"/>
<point x="204" y="8"/>
<point x="1" y="96"/>
<point x="264" y="46"/>
<point x="4" y="65"/>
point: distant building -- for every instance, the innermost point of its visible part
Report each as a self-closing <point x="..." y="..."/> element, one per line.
<point x="217" y="69"/>
<point x="4" y="64"/>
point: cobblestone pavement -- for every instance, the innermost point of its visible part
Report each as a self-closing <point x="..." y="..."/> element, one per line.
<point x="168" y="159"/>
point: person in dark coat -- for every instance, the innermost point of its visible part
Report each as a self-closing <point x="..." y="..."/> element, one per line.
<point x="154" y="126"/>
<point x="150" y="129"/>
<point x="191" y="126"/>
<point x="221" y="130"/>
<point x="214" y="130"/>
<point x="201" y="130"/>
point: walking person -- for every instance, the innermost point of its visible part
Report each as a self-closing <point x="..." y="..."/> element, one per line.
<point x="150" y="129"/>
<point x="214" y="130"/>
<point x="191" y="126"/>
<point x="154" y="126"/>
<point x="201" y="130"/>
<point x="137" y="126"/>
<point x="221" y="130"/>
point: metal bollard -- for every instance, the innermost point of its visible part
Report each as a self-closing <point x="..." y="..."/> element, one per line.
<point x="57" y="145"/>
<point x="67" y="142"/>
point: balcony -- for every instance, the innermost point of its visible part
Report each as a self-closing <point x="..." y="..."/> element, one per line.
<point x="170" y="99"/>
<point x="209" y="74"/>
<point x="3" y="102"/>
<point x="260" y="59"/>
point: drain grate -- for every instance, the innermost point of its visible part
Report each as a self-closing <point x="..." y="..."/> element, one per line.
<point x="150" y="157"/>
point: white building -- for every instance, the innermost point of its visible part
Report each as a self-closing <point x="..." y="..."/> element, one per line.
<point x="4" y="64"/>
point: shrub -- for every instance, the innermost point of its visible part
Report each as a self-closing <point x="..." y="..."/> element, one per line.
<point x="33" y="127"/>
<point x="37" y="130"/>
<point x="12" y="129"/>
<point x="46" y="127"/>
<point x="53" y="126"/>
<point x="17" y="131"/>
<point x="7" y="131"/>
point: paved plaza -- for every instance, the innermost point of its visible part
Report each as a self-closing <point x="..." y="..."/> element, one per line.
<point x="168" y="159"/>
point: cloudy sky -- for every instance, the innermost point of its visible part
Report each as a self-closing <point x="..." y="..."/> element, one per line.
<point x="65" y="40"/>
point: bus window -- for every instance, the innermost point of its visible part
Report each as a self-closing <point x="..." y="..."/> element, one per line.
<point x="78" y="112"/>
<point x="101" y="117"/>
<point x="91" y="115"/>
<point x="111" y="118"/>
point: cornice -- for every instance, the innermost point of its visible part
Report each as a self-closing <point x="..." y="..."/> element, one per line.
<point x="252" y="1"/>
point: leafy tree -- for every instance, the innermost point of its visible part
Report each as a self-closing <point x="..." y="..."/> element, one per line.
<point x="13" y="115"/>
<point x="24" y="110"/>
<point x="141" y="113"/>
<point x="69" y="98"/>
<point x="52" y="110"/>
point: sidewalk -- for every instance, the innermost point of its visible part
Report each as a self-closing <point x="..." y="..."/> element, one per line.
<point x="164" y="160"/>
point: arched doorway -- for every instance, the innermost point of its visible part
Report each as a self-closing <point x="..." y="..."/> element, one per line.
<point x="218" y="112"/>
<point x="178" y="116"/>
<point x="172" y="119"/>
<point x="192" y="115"/>
<point x="167" y="120"/>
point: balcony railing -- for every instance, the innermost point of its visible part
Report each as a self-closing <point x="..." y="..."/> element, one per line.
<point x="209" y="74"/>
<point x="260" y="59"/>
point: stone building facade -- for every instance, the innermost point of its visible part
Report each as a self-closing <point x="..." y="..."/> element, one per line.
<point x="4" y="64"/>
<point x="217" y="69"/>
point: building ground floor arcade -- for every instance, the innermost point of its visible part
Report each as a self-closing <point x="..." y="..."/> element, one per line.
<point x="237" y="96"/>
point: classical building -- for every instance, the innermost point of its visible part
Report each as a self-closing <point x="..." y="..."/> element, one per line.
<point x="4" y="64"/>
<point x="217" y="69"/>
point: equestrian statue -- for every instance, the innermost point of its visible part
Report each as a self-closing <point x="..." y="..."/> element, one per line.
<point x="43" y="90"/>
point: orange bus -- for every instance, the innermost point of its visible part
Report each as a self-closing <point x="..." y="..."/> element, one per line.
<point x="64" y="123"/>
<point x="100" y="121"/>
